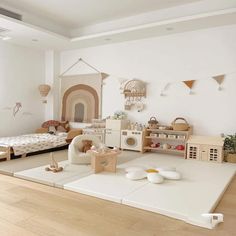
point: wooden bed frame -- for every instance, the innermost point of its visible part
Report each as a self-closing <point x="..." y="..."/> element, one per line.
<point x="70" y="135"/>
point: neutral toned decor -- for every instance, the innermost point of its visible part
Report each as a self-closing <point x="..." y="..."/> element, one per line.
<point x="166" y="141"/>
<point x="219" y="79"/>
<point x="81" y="97"/>
<point x="44" y="89"/>
<point x="189" y="84"/>
<point x="75" y="156"/>
<point x="205" y="148"/>
<point x="152" y="123"/>
<point x="132" y="140"/>
<point x="104" y="161"/>
<point x="180" y="126"/>
<point x="54" y="167"/>
<point x="113" y="132"/>
<point x="134" y="91"/>
<point x="17" y="108"/>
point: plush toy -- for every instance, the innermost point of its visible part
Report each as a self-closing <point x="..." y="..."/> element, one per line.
<point x="87" y="144"/>
<point x="63" y="126"/>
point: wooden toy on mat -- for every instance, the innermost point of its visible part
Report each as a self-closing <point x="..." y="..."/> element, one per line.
<point x="54" y="165"/>
<point x="104" y="161"/>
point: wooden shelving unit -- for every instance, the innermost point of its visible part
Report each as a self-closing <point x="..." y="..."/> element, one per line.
<point x="148" y="140"/>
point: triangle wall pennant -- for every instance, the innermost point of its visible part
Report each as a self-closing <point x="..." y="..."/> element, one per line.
<point x="104" y="75"/>
<point x="167" y="85"/>
<point x="189" y="84"/>
<point x="219" y="79"/>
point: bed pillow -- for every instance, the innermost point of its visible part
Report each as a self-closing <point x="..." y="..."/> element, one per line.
<point x="63" y="126"/>
<point x="48" y="123"/>
<point x="61" y="129"/>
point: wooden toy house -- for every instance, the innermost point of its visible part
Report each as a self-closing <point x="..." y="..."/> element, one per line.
<point x="205" y="148"/>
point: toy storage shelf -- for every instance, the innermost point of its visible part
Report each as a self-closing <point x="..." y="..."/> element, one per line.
<point x="167" y="139"/>
<point x="164" y="140"/>
<point x="170" y="151"/>
<point x="167" y="131"/>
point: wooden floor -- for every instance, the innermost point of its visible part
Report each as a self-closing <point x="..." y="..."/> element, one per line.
<point x="32" y="209"/>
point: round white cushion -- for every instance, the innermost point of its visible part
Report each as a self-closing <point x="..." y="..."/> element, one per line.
<point x="136" y="175"/>
<point x="170" y="175"/>
<point x="155" y="178"/>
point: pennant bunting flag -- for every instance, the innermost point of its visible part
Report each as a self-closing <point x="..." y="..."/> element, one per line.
<point x="219" y="79"/>
<point x="189" y="84"/>
<point x="164" y="89"/>
<point x="104" y="75"/>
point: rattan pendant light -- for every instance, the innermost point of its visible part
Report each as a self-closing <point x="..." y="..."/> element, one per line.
<point x="44" y="89"/>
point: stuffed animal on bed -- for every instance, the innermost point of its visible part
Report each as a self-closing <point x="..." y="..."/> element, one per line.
<point x="53" y="125"/>
<point x="63" y="126"/>
<point x="87" y="144"/>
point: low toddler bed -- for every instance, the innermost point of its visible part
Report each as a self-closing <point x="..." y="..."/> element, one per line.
<point x="30" y="143"/>
<point x="39" y="142"/>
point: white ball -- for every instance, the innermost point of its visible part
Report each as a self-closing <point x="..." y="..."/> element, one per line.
<point x="136" y="175"/>
<point x="155" y="178"/>
<point x="134" y="168"/>
<point x="170" y="175"/>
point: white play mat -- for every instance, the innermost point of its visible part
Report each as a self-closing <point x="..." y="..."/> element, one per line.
<point x="69" y="174"/>
<point x="201" y="187"/>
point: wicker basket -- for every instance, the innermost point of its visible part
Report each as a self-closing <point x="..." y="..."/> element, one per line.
<point x="180" y="126"/>
<point x="153" y="123"/>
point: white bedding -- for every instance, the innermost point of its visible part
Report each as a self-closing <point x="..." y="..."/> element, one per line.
<point x="34" y="142"/>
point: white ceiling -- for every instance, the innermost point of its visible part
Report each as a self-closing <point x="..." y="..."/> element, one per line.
<point x="81" y="13"/>
<point x="187" y="17"/>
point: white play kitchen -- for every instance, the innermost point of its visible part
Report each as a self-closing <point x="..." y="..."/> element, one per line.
<point x="113" y="132"/>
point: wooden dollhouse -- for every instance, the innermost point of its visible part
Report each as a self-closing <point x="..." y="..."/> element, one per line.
<point x="205" y="148"/>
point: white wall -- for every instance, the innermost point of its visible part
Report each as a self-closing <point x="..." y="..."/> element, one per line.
<point x="186" y="56"/>
<point x="52" y="68"/>
<point x="21" y="71"/>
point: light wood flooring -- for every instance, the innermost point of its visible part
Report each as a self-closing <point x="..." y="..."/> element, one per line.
<point x="28" y="208"/>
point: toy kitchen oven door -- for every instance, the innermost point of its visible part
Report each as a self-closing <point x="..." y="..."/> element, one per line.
<point x="132" y="140"/>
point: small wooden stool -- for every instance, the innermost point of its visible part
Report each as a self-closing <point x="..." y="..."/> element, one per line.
<point x="104" y="161"/>
<point x="5" y="152"/>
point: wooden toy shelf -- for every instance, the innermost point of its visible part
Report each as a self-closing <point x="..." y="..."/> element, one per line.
<point x="170" y="139"/>
<point x="177" y="152"/>
<point x="182" y="140"/>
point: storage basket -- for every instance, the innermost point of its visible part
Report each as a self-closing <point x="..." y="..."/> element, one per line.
<point x="180" y="126"/>
<point x="153" y="123"/>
